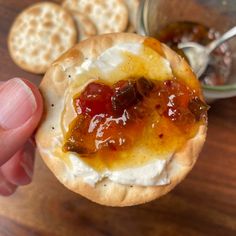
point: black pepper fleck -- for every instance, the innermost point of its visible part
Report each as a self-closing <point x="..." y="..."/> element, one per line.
<point x="161" y="135"/>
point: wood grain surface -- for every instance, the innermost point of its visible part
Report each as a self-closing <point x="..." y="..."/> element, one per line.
<point x="203" y="204"/>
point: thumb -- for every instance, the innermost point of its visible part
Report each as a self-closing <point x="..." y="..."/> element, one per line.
<point x="20" y="112"/>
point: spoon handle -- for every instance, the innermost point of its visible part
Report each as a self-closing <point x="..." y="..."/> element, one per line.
<point x="216" y="43"/>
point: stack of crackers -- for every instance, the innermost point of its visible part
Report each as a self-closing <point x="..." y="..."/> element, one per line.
<point x="43" y="31"/>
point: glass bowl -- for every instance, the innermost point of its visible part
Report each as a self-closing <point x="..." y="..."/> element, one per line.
<point x="154" y="15"/>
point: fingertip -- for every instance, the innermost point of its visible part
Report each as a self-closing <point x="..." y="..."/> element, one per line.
<point x="21" y="117"/>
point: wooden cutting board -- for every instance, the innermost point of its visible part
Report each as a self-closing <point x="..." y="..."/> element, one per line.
<point x="203" y="204"/>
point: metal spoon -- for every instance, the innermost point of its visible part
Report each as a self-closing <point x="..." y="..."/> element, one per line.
<point x="198" y="55"/>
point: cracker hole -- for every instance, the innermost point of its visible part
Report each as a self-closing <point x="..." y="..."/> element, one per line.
<point x="131" y="186"/>
<point x="53" y="127"/>
<point x="161" y="135"/>
<point x="104" y="185"/>
<point x="52" y="105"/>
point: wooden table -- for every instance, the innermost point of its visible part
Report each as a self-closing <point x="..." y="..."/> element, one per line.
<point x="203" y="204"/>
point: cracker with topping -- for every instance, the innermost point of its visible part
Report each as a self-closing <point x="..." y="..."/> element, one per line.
<point x="124" y="119"/>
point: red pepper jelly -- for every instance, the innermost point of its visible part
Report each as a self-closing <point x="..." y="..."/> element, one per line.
<point x="113" y="119"/>
<point x="220" y="63"/>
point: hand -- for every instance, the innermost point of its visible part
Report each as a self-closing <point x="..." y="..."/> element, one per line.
<point x="20" y="112"/>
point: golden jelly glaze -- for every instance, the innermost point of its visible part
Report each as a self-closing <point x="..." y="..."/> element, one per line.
<point x="156" y="136"/>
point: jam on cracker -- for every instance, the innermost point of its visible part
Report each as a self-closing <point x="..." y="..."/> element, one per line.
<point x="112" y="118"/>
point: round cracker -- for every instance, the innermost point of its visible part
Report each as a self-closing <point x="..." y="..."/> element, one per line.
<point x="133" y="6"/>
<point x="107" y="192"/>
<point x="39" y="35"/>
<point x="85" y="26"/>
<point x="108" y="16"/>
